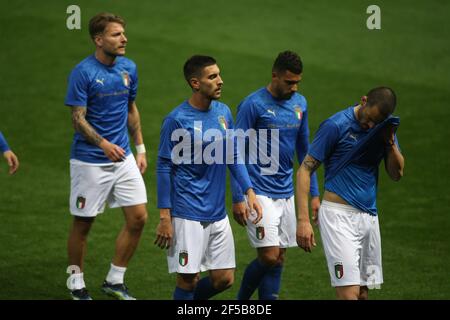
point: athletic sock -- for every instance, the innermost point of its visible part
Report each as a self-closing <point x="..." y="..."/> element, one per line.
<point x="181" y="294"/>
<point x="204" y="289"/>
<point x="115" y="274"/>
<point x="76" y="282"/>
<point x="253" y="275"/>
<point x="269" y="288"/>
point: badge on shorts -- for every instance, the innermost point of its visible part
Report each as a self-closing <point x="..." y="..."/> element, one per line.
<point x="81" y="202"/>
<point x="259" y="233"/>
<point x="183" y="258"/>
<point x="339" y="270"/>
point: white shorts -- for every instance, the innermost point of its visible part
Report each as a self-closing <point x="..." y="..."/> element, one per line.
<point x="278" y="226"/>
<point x="200" y="246"/>
<point x="352" y="245"/>
<point x="92" y="185"/>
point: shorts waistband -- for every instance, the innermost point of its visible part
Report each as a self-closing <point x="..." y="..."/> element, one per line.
<point x="341" y="206"/>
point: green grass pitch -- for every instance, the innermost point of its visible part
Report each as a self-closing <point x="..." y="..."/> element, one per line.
<point x="342" y="59"/>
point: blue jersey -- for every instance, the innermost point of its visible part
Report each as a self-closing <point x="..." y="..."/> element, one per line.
<point x="105" y="91"/>
<point x="261" y="110"/>
<point x="356" y="182"/>
<point x="195" y="189"/>
<point x="3" y="144"/>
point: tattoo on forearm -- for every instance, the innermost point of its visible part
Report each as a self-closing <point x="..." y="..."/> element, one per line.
<point x="134" y="122"/>
<point x="310" y="164"/>
<point x="82" y="126"/>
<point x="134" y="126"/>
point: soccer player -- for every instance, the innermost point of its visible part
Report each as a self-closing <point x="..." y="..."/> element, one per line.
<point x="191" y="190"/>
<point x="10" y="157"/>
<point x="351" y="143"/>
<point x="276" y="107"/>
<point x="101" y="93"/>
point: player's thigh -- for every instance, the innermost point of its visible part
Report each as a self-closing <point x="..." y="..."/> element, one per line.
<point x="220" y="251"/>
<point x="129" y="187"/>
<point x="371" y="260"/>
<point x="188" y="246"/>
<point x="89" y="188"/>
<point x="266" y="232"/>
<point x="341" y="245"/>
<point x="288" y="224"/>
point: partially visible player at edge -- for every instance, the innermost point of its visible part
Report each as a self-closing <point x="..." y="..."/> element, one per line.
<point x="101" y="93"/>
<point x="11" y="158"/>
<point x="191" y="195"/>
<point x="278" y="106"/>
<point x="351" y="144"/>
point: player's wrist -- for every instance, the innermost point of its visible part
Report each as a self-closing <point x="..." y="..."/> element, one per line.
<point x="140" y="148"/>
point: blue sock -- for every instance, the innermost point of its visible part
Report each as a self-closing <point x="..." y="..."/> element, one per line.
<point x="181" y="294"/>
<point x="204" y="289"/>
<point x="270" y="285"/>
<point x="253" y="275"/>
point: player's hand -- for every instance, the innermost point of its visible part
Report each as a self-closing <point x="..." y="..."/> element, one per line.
<point x="112" y="151"/>
<point x="12" y="160"/>
<point x="164" y="231"/>
<point x="315" y="205"/>
<point x="141" y="162"/>
<point x="240" y="213"/>
<point x="254" y="206"/>
<point x="305" y="236"/>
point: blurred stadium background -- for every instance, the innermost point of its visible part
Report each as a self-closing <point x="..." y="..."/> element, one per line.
<point x="343" y="60"/>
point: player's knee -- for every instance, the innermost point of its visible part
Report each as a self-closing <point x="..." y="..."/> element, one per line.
<point x="347" y="293"/>
<point x="187" y="281"/>
<point x="224" y="282"/>
<point x="269" y="260"/>
<point x="82" y="225"/>
<point x="138" y="222"/>
<point x="363" y="293"/>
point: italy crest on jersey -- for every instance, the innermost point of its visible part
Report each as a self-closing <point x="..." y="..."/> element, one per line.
<point x="126" y="79"/>
<point x="223" y="123"/>
<point x="183" y="258"/>
<point x="298" y="112"/>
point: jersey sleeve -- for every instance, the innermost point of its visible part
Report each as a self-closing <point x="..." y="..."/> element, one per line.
<point x="246" y="115"/>
<point x="165" y="164"/>
<point x="165" y="142"/>
<point x="134" y="84"/>
<point x="77" y="89"/>
<point x="3" y="144"/>
<point x="324" y="141"/>
<point x="301" y="146"/>
<point x="245" y="119"/>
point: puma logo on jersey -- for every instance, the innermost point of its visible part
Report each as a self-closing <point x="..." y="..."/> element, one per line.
<point x="353" y="137"/>
<point x="100" y="81"/>
<point x="272" y="112"/>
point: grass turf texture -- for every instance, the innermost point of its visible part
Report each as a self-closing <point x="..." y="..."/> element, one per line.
<point x="343" y="60"/>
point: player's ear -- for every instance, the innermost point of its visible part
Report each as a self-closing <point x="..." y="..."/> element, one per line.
<point x="363" y="100"/>
<point x="98" y="40"/>
<point x="195" y="84"/>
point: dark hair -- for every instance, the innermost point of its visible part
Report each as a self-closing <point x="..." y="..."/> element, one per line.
<point x="193" y="67"/>
<point x="98" y="23"/>
<point x="384" y="98"/>
<point x="288" y="61"/>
